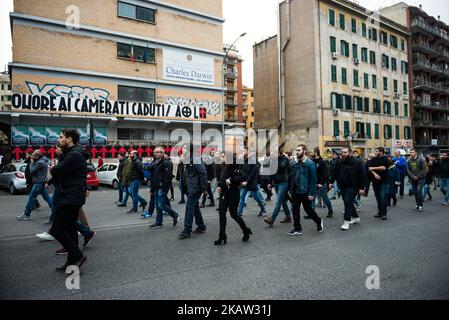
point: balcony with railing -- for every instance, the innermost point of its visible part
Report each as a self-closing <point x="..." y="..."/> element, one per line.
<point x="425" y="65"/>
<point x="231" y="89"/>
<point x="230" y="103"/>
<point x="434" y="87"/>
<point x="415" y="23"/>
<point x="434" y="51"/>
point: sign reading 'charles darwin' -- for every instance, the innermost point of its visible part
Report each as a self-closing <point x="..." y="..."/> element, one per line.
<point x="24" y="102"/>
<point x="185" y="66"/>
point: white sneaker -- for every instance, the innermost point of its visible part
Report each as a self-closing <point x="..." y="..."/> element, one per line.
<point x="420" y="209"/>
<point x="444" y="203"/>
<point x="354" y="221"/>
<point x="345" y="226"/>
<point x="45" y="236"/>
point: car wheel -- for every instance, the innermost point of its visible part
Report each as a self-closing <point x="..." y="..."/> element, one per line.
<point x="115" y="184"/>
<point x="12" y="189"/>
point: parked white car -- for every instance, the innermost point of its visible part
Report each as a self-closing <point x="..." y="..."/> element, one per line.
<point x="12" y="177"/>
<point x="107" y="174"/>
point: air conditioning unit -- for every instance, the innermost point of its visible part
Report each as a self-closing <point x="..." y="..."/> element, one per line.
<point x="356" y="61"/>
<point x="334" y="55"/>
<point x="335" y="111"/>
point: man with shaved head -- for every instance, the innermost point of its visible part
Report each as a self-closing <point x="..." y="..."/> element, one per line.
<point x="38" y="173"/>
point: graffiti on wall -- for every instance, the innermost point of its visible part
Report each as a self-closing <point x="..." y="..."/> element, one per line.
<point x="62" y="90"/>
<point x="212" y="107"/>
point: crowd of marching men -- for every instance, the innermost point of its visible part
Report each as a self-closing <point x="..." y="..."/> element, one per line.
<point x="298" y="181"/>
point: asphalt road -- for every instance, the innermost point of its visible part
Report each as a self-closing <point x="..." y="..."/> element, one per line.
<point x="130" y="261"/>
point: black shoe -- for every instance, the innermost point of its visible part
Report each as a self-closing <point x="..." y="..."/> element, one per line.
<point x="212" y="204"/>
<point x="307" y="217"/>
<point x="430" y="198"/>
<point x="246" y="234"/>
<point x="262" y="213"/>
<point x="378" y="215"/>
<point x="218" y="209"/>
<point x="330" y="214"/>
<point x="221" y="240"/>
<point x="395" y="201"/>
<point x="122" y="205"/>
<point x="131" y="211"/>
<point x="175" y="221"/>
<point x="143" y="206"/>
<point x="202" y="205"/>
<point x="181" y="202"/>
<point x="155" y="226"/>
<point x="184" y="235"/>
<point x="268" y="199"/>
<point x="88" y="239"/>
<point x="200" y="230"/>
<point x="62" y="268"/>
<point x="333" y="198"/>
<point x="384" y="218"/>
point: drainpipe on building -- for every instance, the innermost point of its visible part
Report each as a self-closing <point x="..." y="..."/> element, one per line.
<point x="282" y="68"/>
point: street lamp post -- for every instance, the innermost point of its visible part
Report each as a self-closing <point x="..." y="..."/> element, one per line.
<point x="223" y="90"/>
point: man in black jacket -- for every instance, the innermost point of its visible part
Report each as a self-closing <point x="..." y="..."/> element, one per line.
<point x="251" y="169"/>
<point x="137" y="176"/>
<point x="378" y="175"/>
<point x="322" y="180"/>
<point x="121" y="160"/>
<point x="194" y="179"/>
<point x="351" y="178"/>
<point x="29" y="181"/>
<point x="71" y="173"/>
<point x="280" y="181"/>
<point x="210" y="170"/>
<point x="160" y="185"/>
<point x="443" y="170"/>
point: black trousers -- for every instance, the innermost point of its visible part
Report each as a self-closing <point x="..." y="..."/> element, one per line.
<point x="267" y="191"/>
<point x="211" y="196"/>
<point x="230" y="200"/>
<point x="297" y="200"/>
<point x="172" y="191"/>
<point x="349" y="194"/>
<point x="65" y="231"/>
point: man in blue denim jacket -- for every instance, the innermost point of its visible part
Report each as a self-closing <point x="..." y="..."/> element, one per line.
<point x="303" y="189"/>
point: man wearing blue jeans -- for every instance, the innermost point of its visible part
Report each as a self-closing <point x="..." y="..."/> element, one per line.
<point x="280" y="181"/>
<point x="443" y="169"/>
<point x="38" y="173"/>
<point x="194" y="179"/>
<point x="251" y="169"/>
<point x="322" y="172"/>
<point x="160" y="185"/>
<point x="377" y="172"/>
<point x="137" y="176"/>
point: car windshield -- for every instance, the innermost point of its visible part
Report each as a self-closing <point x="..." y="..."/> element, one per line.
<point x="22" y="168"/>
<point x="90" y="168"/>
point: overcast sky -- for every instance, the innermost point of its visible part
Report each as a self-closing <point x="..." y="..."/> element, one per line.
<point x="258" y="18"/>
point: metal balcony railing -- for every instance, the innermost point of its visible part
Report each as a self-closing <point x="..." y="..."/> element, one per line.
<point x="424" y="26"/>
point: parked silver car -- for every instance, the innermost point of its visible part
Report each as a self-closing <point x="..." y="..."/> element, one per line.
<point x="12" y="177"/>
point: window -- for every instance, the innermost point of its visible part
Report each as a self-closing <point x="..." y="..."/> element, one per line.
<point x="387" y="131"/>
<point x="331" y="17"/>
<point x="358" y="104"/>
<point x="347" y="102"/>
<point x="385" y="84"/>
<point x="354" y="25"/>
<point x="404" y="67"/>
<point x="384" y="37"/>
<point x="385" y="61"/>
<point x="372" y="57"/>
<point x="366" y="80"/>
<point x="376" y="106"/>
<point x="347" y="131"/>
<point x="407" y="133"/>
<point x="405" y="110"/>
<point x="373" y="34"/>
<point x="130" y="11"/>
<point x="387" y="107"/>
<point x="356" y="78"/>
<point x="360" y="129"/>
<point x="344" y="76"/>
<point x="336" y="128"/>
<point x="364" y="55"/>
<point x="334" y="73"/>
<point x="395" y="86"/>
<point x="397" y="132"/>
<point x="342" y="21"/>
<point x="136" y="94"/>
<point x="124" y="51"/>
<point x="402" y="44"/>
<point x="9" y="87"/>
<point x="355" y="51"/>
<point x="364" y="34"/>
<point x="366" y="105"/>
<point x="336" y="101"/>
<point x="368" y="130"/>
<point x="393" y="41"/>
<point x="374" y="81"/>
<point x="344" y="48"/>
<point x="376" y="131"/>
<point x="394" y="65"/>
<point x="333" y="42"/>
<point x="396" y="108"/>
<point x="130" y="134"/>
<point x="405" y="88"/>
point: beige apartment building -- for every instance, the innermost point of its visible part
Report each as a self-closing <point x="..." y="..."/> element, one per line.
<point x="5" y="92"/>
<point x="137" y="69"/>
<point x="342" y="78"/>
<point x="248" y="107"/>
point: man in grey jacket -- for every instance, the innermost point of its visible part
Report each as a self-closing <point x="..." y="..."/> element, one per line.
<point x="417" y="170"/>
<point x="38" y="173"/>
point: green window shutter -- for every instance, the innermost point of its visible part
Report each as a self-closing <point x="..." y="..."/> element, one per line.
<point x="397" y="135"/>
<point x="364" y="55"/>
<point x="354" y="25"/>
<point x="405" y="88"/>
<point x="366" y="105"/>
<point x="374" y="81"/>
<point x="342" y="21"/>
<point x="334" y="74"/>
<point x="366" y="80"/>
<point x="348" y="102"/>
<point x="364" y="29"/>
<point x="342" y="48"/>
<point x="385" y="84"/>
<point x="331" y="17"/>
<point x="395" y="85"/>
<point x="396" y="108"/>
<point x="333" y="44"/>
<point x="356" y="78"/>
<point x="339" y="101"/>
<point x="355" y="51"/>
<point x="336" y="128"/>
<point x="346" y="129"/>
<point x="347" y="49"/>
<point x="402" y="44"/>
<point x="405" y="110"/>
<point x="376" y="131"/>
<point x="344" y="76"/>
<point x="368" y="130"/>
